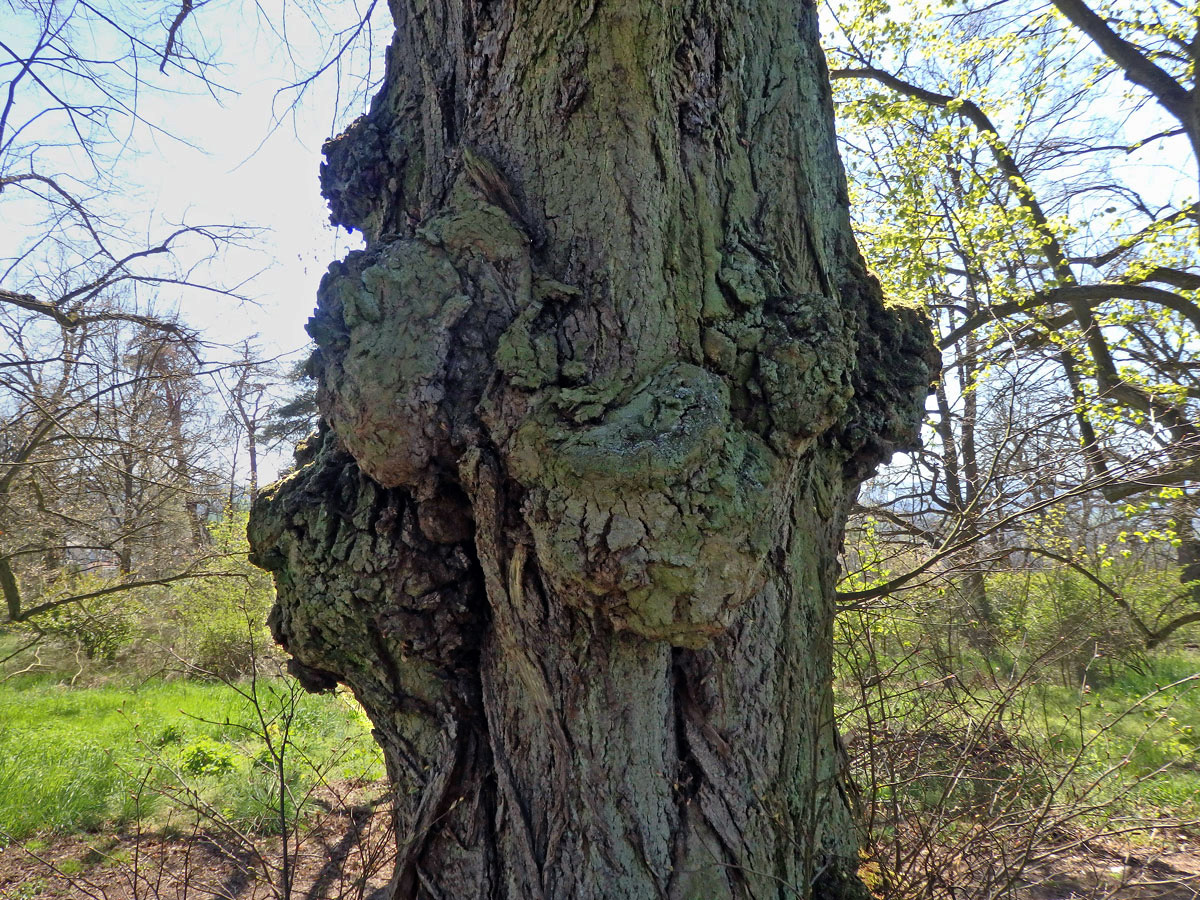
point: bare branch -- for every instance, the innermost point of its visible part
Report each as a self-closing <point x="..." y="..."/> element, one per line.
<point x="185" y="10"/>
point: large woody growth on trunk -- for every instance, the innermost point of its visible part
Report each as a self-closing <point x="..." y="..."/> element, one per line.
<point x="597" y="394"/>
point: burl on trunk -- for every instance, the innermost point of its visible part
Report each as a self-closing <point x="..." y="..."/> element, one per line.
<point x="597" y="393"/>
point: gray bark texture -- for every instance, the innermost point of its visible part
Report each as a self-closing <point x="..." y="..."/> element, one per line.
<point x="597" y="394"/>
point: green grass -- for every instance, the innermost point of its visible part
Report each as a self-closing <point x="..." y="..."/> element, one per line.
<point x="78" y="759"/>
<point x="1138" y="734"/>
<point x="1128" y="744"/>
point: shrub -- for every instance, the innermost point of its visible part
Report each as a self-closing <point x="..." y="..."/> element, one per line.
<point x="224" y="618"/>
<point x="101" y="628"/>
<point x="206" y="757"/>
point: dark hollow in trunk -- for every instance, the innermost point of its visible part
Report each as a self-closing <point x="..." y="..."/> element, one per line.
<point x="597" y="395"/>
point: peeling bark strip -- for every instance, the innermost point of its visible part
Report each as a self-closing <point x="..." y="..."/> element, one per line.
<point x="597" y="394"/>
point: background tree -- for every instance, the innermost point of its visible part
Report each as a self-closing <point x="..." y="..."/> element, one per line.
<point x="105" y="478"/>
<point x="598" y="390"/>
<point x="1003" y="176"/>
<point x="105" y="469"/>
<point x="1007" y="176"/>
<point x="294" y="416"/>
<point x="246" y="394"/>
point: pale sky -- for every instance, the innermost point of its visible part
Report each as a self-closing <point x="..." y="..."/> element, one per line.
<point x="243" y="166"/>
<point x="245" y="171"/>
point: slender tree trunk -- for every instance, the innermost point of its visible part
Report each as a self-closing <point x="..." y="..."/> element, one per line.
<point x="183" y="466"/>
<point x="1188" y="552"/>
<point x="598" y="392"/>
<point x="128" y="514"/>
<point x="252" y="461"/>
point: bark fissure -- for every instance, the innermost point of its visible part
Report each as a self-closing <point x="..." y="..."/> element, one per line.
<point x="597" y="391"/>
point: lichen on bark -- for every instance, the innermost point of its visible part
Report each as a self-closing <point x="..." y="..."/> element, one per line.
<point x="597" y="394"/>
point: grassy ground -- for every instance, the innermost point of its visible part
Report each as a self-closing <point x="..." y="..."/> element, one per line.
<point x="1136" y="734"/>
<point x="975" y="761"/>
<point x="84" y="758"/>
<point x="979" y="760"/>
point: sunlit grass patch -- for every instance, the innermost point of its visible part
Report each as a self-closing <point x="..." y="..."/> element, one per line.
<point x="84" y="758"/>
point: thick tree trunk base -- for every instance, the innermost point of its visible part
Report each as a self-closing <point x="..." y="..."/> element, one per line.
<point x="598" y="393"/>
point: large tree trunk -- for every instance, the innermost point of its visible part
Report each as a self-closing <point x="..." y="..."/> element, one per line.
<point x="597" y="394"/>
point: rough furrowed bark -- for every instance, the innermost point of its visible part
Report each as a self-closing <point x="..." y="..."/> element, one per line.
<point x="598" y="391"/>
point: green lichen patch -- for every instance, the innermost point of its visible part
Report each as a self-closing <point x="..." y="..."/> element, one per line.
<point x="406" y="332"/>
<point x="665" y="501"/>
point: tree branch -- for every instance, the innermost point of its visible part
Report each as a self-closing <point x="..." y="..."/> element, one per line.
<point x="185" y="10"/>
<point x="1172" y="96"/>
<point x="71" y="320"/>
<point x="26" y="614"/>
<point x="1092" y="294"/>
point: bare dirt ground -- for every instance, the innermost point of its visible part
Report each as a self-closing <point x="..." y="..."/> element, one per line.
<point x="347" y="855"/>
<point x="1114" y="871"/>
<point x="344" y="853"/>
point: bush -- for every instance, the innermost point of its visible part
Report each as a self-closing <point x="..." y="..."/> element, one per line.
<point x="101" y="628"/>
<point x="223" y="618"/>
<point x="224" y="652"/>
<point x="206" y="757"/>
<point x="1063" y="617"/>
